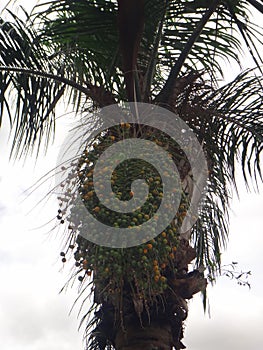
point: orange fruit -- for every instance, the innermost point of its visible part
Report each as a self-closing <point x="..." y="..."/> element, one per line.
<point x="85" y="264"/>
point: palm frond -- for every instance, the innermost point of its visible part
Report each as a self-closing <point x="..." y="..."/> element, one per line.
<point x="200" y="34"/>
<point x="240" y="116"/>
<point x="91" y="45"/>
<point x="232" y="134"/>
<point x="29" y="100"/>
<point x="186" y="34"/>
<point x="257" y="5"/>
<point x="34" y="78"/>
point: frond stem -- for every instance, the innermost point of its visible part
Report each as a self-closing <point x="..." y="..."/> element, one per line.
<point x="256" y="4"/>
<point x="165" y="93"/>
<point x="154" y="53"/>
<point x="47" y="75"/>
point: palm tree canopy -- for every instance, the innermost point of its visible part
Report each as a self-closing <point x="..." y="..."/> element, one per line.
<point x="181" y="50"/>
<point x="75" y="49"/>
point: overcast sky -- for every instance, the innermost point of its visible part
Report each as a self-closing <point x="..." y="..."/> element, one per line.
<point x="33" y="316"/>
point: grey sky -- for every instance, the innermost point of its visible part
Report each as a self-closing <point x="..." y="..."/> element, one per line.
<point x="34" y="316"/>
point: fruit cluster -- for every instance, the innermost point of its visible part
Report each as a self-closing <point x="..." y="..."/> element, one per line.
<point x="144" y="266"/>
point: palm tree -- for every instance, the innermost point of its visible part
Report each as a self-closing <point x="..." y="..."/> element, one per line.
<point x="165" y="53"/>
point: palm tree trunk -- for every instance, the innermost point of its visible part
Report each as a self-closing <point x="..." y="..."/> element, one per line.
<point x="152" y="337"/>
<point x="131" y="323"/>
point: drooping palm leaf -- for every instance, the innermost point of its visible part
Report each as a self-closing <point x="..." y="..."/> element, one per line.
<point x="33" y="97"/>
<point x="90" y="44"/>
<point x="233" y="135"/>
<point x="191" y="34"/>
<point x="34" y="77"/>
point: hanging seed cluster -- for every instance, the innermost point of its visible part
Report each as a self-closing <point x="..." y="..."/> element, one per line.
<point x="144" y="267"/>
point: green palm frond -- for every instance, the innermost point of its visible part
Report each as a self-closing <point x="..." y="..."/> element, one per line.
<point x="228" y="121"/>
<point x="86" y="31"/>
<point x="200" y="34"/>
<point x="29" y="99"/>
<point x="34" y="78"/>
<point x="232" y="136"/>
<point x="186" y="34"/>
<point x="240" y="116"/>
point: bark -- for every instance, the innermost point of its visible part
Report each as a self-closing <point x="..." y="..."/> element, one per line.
<point x="158" y="337"/>
<point x="158" y="324"/>
<point x="130" y="24"/>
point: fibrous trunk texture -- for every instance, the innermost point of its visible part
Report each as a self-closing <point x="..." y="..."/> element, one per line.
<point x="151" y="337"/>
<point x="157" y="324"/>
